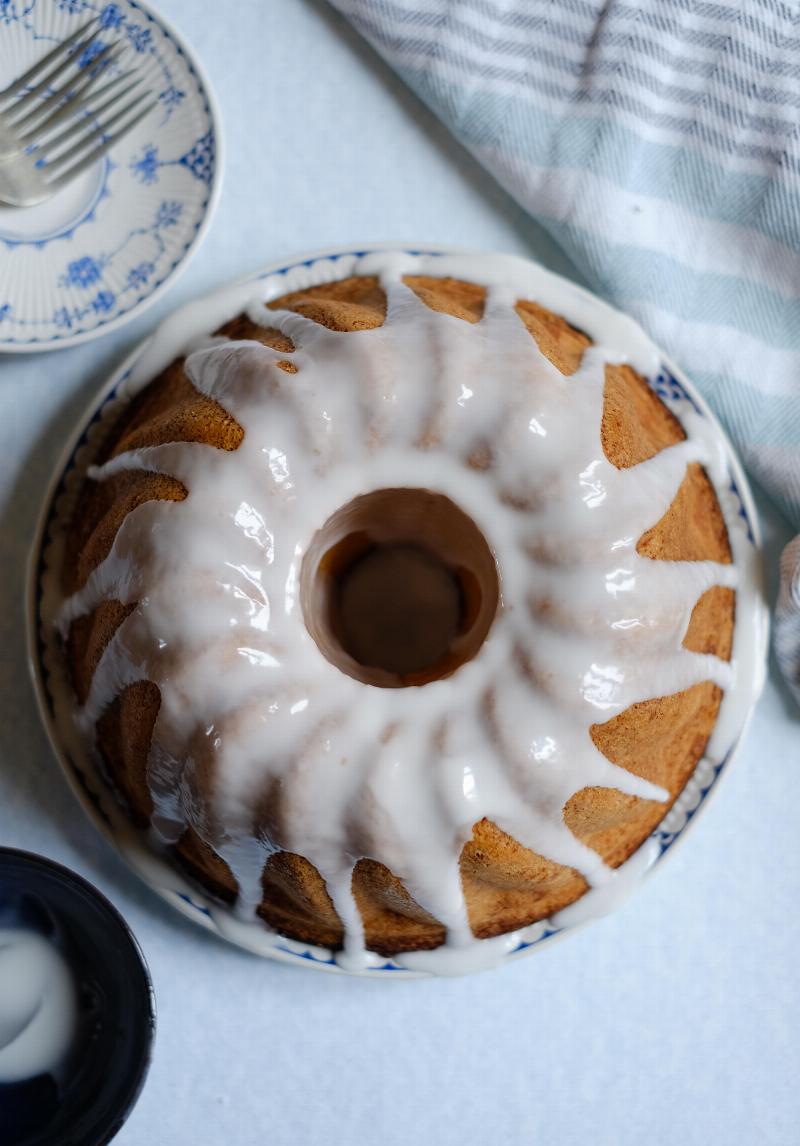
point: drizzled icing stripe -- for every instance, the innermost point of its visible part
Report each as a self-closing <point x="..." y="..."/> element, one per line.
<point x="247" y="697"/>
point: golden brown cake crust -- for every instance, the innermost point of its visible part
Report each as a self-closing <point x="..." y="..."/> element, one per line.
<point x="506" y="886"/>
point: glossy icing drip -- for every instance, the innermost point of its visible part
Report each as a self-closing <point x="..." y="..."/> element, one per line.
<point x="586" y="626"/>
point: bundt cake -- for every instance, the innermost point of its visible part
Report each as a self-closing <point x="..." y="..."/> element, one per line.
<point x="400" y="610"/>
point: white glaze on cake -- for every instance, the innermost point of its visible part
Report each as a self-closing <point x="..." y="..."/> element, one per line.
<point x="247" y="695"/>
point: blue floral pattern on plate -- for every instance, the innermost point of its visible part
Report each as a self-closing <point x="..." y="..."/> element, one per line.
<point x="99" y="252"/>
<point x="199" y="159"/>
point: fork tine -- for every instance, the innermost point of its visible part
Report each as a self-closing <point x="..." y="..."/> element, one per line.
<point x="83" y="124"/>
<point x="97" y="135"/>
<point x="73" y="105"/>
<point x="106" y="88"/>
<point x="60" y="176"/>
<point x="70" y="88"/>
<point x="46" y="61"/>
<point x="29" y="98"/>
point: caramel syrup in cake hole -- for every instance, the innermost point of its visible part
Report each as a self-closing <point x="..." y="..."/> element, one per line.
<point x="399" y="588"/>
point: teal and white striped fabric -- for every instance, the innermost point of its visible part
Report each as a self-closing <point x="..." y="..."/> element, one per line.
<point x="658" y="142"/>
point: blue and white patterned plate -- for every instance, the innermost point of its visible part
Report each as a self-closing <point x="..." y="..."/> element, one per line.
<point x="54" y="692"/>
<point x="112" y="242"/>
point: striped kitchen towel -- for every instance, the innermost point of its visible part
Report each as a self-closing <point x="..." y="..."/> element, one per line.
<point x="659" y="142"/>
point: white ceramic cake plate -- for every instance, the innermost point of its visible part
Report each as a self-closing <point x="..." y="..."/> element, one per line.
<point x="109" y="244"/>
<point x="49" y="671"/>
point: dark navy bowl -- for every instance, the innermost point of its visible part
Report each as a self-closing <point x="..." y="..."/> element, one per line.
<point x="104" y="1073"/>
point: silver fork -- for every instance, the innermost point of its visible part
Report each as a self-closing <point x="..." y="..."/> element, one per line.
<point x="39" y="118"/>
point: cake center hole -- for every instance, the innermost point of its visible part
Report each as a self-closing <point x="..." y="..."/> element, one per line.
<point x="397" y="608"/>
<point x="399" y="588"/>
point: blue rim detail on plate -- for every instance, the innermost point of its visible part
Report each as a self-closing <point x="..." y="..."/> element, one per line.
<point x="674" y="392"/>
<point x="200" y="156"/>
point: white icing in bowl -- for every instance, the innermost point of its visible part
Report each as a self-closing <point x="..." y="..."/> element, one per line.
<point x="310" y="449"/>
<point x="38" y="1006"/>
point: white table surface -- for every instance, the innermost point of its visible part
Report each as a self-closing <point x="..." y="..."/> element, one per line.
<point x="675" y="1020"/>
